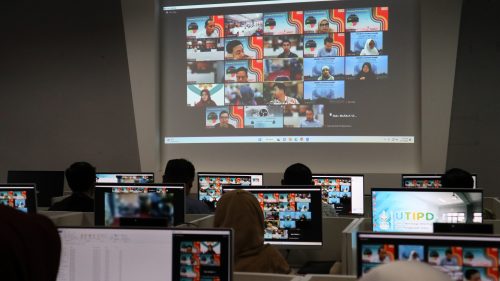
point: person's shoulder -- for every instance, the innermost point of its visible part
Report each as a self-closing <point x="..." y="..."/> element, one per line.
<point x="293" y="55"/>
<point x="194" y="206"/>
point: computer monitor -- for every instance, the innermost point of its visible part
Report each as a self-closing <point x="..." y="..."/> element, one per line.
<point x="415" y="210"/>
<point x="460" y="256"/>
<point x="426" y="180"/>
<point x="145" y="254"/>
<point x="48" y="183"/>
<point x="292" y="214"/>
<point x="210" y="184"/>
<point x="139" y="204"/>
<point x="19" y="196"/>
<point x="124" y="177"/>
<point x="344" y="192"/>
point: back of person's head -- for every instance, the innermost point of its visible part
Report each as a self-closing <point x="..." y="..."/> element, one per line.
<point x="297" y="174"/>
<point x="405" y="270"/>
<point x="179" y="171"/>
<point x="457" y="178"/>
<point x="81" y="176"/>
<point x="240" y="210"/>
<point x="31" y="247"/>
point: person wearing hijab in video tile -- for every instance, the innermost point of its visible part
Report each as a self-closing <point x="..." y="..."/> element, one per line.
<point x="370" y="49"/>
<point x="366" y="72"/>
<point x="240" y="210"/>
<point x="205" y="99"/>
<point x="31" y="247"/>
<point x="405" y="270"/>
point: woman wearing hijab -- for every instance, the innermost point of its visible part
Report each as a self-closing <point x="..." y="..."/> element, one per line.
<point x="205" y="99"/>
<point x="366" y="72"/>
<point x="31" y="247"/>
<point x="240" y="210"/>
<point x="369" y="49"/>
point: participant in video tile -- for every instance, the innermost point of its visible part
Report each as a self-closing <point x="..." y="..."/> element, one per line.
<point x="327" y="50"/>
<point x="206" y="49"/>
<point x="366" y="72"/>
<point x="325" y="74"/>
<point x="236" y="51"/>
<point x="242" y="75"/>
<point x="286" y="45"/>
<point x="205" y="99"/>
<point x="310" y="121"/>
<point x="244" y="25"/>
<point x="209" y="31"/>
<point x="238" y="94"/>
<point x="280" y="96"/>
<point x="449" y="259"/>
<point x="205" y="72"/>
<point x="224" y="121"/>
<point x="370" y="49"/>
<point x="473" y="274"/>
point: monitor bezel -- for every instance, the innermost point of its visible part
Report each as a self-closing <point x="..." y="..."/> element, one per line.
<point x="407" y="189"/>
<point x="127" y="173"/>
<point x="430" y="176"/>
<point x="229" y="231"/>
<point x="288" y="188"/>
<point x="99" y="194"/>
<point x="31" y="188"/>
<point x="392" y="236"/>
<point x="351" y="214"/>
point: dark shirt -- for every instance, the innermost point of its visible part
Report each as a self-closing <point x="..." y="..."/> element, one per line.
<point x="219" y="126"/>
<point x="77" y="202"/>
<point x="194" y="206"/>
<point x="289" y="55"/>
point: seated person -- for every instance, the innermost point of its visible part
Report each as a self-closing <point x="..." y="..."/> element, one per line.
<point x="81" y="180"/>
<point x="240" y="210"/>
<point x="182" y="171"/>
<point x="300" y="174"/>
<point x="31" y="248"/>
<point x="457" y="178"/>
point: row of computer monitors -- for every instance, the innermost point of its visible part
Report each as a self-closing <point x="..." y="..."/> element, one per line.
<point x="203" y="254"/>
<point x="336" y="187"/>
<point x="292" y="214"/>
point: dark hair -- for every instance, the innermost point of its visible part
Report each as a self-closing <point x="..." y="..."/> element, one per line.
<point x="222" y="112"/>
<point x="297" y="174"/>
<point x="380" y="248"/>
<point x="448" y="251"/>
<point x="208" y="93"/>
<point x="179" y="171"/>
<point x="367" y="64"/>
<point x="328" y="40"/>
<point x="231" y="44"/>
<point x="457" y="178"/>
<point x="468" y="255"/>
<point x="81" y="176"/>
<point x="469" y="272"/>
<point x="285" y="40"/>
<point x="310" y="109"/>
<point x="242" y="68"/>
<point x="367" y="252"/>
<point x="206" y="22"/>
<point x="280" y="86"/>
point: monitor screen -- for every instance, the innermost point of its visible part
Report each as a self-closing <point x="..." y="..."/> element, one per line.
<point x="426" y="180"/>
<point x="292" y="214"/>
<point x="136" y="254"/>
<point x="415" y="210"/>
<point x="124" y="178"/>
<point x="48" y="183"/>
<point x="139" y="204"/>
<point x="463" y="257"/>
<point x="20" y="197"/>
<point x="344" y="192"/>
<point x="210" y="184"/>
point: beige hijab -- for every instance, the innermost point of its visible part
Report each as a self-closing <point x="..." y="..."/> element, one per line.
<point x="241" y="211"/>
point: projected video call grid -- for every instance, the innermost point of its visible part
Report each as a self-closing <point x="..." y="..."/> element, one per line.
<point x="281" y="69"/>
<point x="141" y="203"/>
<point x="124" y="178"/>
<point x="336" y="192"/>
<point x="459" y="259"/>
<point x="210" y="187"/>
